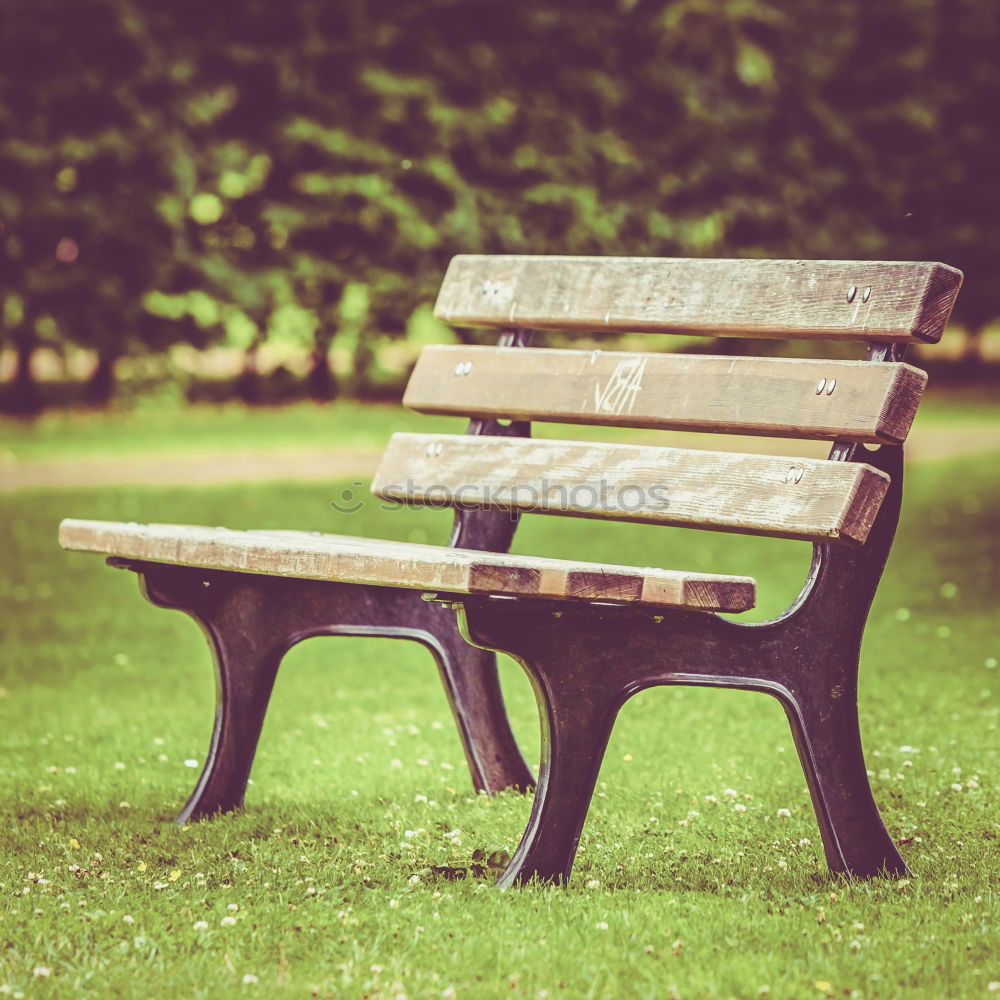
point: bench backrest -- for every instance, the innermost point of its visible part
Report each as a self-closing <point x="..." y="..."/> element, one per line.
<point x="873" y="401"/>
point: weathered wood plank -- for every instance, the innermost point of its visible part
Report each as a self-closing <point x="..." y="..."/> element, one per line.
<point x="379" y="562"/>
<point x="852" y="300"/>
<point x="834" y="400"/>
<point x="753" y="494"/>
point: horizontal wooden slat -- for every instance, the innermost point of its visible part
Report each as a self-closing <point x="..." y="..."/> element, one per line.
<point x="853" y="300"/>
<point x="379" y="562"/>
<point x="837" y="400"/>
<point x="753" y="494"/>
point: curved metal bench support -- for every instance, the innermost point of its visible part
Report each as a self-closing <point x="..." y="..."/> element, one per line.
<point x="585" y="663"/>
<point x="251" y="621"/>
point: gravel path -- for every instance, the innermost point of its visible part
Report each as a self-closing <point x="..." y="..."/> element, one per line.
<point x="337" y="464"/>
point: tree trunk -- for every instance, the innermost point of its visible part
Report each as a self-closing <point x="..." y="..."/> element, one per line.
<point x="971" y="358"/>
<point x="101" y="384"/>
<point x="248" y="380"/>
<point x="24" y="399"/>
<point x="321" y="381"/>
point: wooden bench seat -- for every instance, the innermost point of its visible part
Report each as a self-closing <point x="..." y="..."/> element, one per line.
<point x="592" y="635"/>
<point x="376" y="562"/>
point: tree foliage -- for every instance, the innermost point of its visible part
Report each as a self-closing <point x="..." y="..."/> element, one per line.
<point x="187" y="171"/>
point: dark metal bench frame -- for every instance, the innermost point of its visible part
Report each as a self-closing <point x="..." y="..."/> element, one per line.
<point x="585" y="662"/>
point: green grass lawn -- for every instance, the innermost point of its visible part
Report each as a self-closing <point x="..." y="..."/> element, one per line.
<point x="690" y="882"/>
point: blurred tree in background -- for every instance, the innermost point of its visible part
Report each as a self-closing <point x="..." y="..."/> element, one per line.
<point x="200" y="173"/>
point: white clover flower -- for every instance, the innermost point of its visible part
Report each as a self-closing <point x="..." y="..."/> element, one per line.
<point x="227" y="922"/>
<point x="41" y="972"/>
<point x="784" y="813"/>
<point x="201" y="925"/>
<point x="250" y="979"/>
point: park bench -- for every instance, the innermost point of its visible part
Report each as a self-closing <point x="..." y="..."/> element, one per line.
<point x="591" y="635"/>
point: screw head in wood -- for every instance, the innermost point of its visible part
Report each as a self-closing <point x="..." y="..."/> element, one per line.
<point x="866" y="294"/>
<point x="820" y="386"/>
<point x="851" y="292"/>
<point x="830" y="386"/>
<point x="459" y="368"/>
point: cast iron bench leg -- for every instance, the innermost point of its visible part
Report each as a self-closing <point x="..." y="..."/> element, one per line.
<point x="577" y="705"/>
<point x="585" y="666"/>
<point x="471" y="682"/>
<point x="247" y="653"/>
<point x="828" y="739"/>
<point x="576" y="727"/>
<point x="251" y="621"/>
